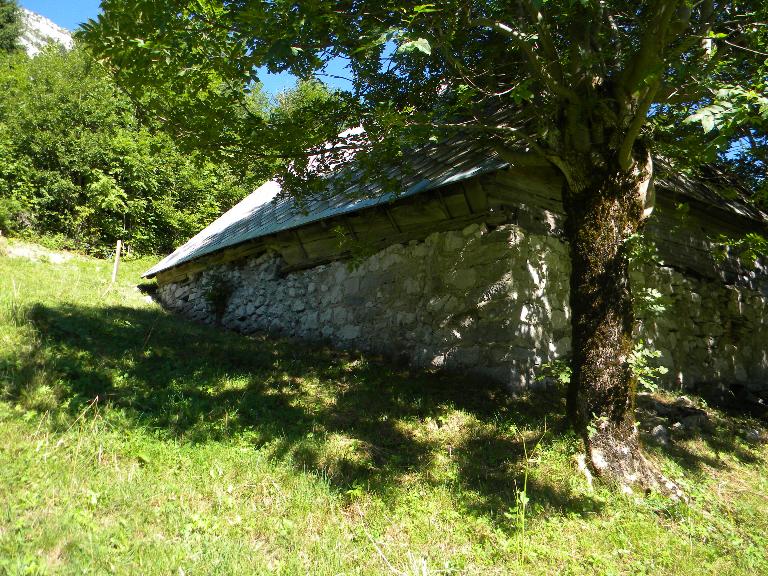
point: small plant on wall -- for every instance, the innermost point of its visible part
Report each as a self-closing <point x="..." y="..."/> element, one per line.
<point x="218" y="291"/>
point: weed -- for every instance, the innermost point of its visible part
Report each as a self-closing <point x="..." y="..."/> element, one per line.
<point x="558" y="370"/>
<point x="519" y="512"/>
<point x="645" y="373"/>
<point x="218" y="291"/>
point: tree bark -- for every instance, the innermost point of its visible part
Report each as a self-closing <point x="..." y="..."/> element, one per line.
<point x="604" y="208"/>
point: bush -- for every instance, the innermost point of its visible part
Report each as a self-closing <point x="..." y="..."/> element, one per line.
<point x="10" y="210"/>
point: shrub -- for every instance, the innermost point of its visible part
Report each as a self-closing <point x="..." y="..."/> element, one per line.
<point x="76" y="164"/>
<point x="218" y="291"/>
<point x="9" y="215"/>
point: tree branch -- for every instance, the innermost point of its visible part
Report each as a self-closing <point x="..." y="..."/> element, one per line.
<point x="540" y="20"/>
<point x="536" y="66"/>
<point x="648" y="61"/>
<point x="648" y="56"/>
<point x="625" y="158"/>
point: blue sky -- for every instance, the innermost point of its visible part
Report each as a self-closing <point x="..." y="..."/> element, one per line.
<point x="71" y="13"/>
<point x="66" y="13"/>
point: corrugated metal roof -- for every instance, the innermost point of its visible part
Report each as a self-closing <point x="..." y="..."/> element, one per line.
<point x="715" y="188"/>
<point x="262" y="213"/>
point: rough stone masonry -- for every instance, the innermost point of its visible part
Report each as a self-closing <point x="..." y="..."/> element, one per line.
<point x="489" y="302"/>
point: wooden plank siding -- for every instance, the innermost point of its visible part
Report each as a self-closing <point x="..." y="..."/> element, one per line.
<point x="529" y="196"/>
<point x="411" y="218"/>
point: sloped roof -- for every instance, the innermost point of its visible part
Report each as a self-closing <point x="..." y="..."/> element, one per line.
<point x="715" y="188"/>
<point x="263" y="212"/>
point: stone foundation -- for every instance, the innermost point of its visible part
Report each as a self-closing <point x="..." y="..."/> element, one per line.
<point x="493" y="303"/>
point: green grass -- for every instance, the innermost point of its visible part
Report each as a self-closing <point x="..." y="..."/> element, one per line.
<point x="134" y="442"/>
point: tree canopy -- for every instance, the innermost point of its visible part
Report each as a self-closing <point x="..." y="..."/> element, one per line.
<point x="11" y="25"/>
<point x="83" y="164"/>
<point x="572" y="76"/>
<point x="591" y="88"/>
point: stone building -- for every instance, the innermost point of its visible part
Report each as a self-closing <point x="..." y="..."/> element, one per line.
<point x="466" y="268"/>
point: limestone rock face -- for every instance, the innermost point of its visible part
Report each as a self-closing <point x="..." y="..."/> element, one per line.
<point x="39" y="31"/>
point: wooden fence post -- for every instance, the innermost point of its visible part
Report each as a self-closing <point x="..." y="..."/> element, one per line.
<point x="118" y="248"/>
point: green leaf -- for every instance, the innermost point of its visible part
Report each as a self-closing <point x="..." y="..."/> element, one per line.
<point x="425" y="8"/>
<point x="421" y="44"/>
<point x="708" y="122"/>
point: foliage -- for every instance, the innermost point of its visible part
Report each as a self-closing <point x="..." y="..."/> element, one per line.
<point x="732" y="107"/>
<point x="11" y="25"/>
<point x="75" y="163"/>
<point x="640" y="250"/>
<point x="209" y="452"/>
<point x="417" y="69"/>
<point x="10" y="209"/>
<point x="750" y="248"/>
<point x="645" y="373"/>
<point x="559" y="370"/>
<point x="218" y="291"/>
<point x="649" y="302"/>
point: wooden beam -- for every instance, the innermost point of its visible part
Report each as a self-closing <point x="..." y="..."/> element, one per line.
<point x="348" y="224"/>
<point x="301" y="244"/>
<point x="392" y="220"/>
<point x="443" y="203"/>
<point x="322" y="256"/>
<point x="466" y="200"/>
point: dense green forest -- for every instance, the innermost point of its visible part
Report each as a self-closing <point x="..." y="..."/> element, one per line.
<point x="77" y="165"/>
<point x="81" y="166"/>
<point x="10" y="25"/>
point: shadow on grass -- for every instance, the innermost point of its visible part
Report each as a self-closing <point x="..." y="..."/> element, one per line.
<point x="360" y="424"/>
<point x="719" y="432"/>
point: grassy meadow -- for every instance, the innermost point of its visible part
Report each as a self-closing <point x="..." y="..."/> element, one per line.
<point x="135" y="442"/>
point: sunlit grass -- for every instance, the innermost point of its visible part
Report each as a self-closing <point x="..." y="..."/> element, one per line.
<point x="134" y="442"/>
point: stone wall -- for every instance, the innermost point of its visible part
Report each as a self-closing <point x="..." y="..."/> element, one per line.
<point x="491" y="302"/>
<point x="710" y="332"/>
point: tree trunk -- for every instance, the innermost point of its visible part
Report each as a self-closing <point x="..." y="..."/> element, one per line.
<point x="604" y="209"/>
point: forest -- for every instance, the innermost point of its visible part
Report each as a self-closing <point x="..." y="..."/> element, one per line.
<point x="78" y="169"/>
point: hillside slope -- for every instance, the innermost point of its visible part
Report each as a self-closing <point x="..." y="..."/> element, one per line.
<point x="135" y="442"/>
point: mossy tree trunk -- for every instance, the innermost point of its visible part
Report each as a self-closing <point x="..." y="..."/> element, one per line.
<point x="605" y="206"/>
